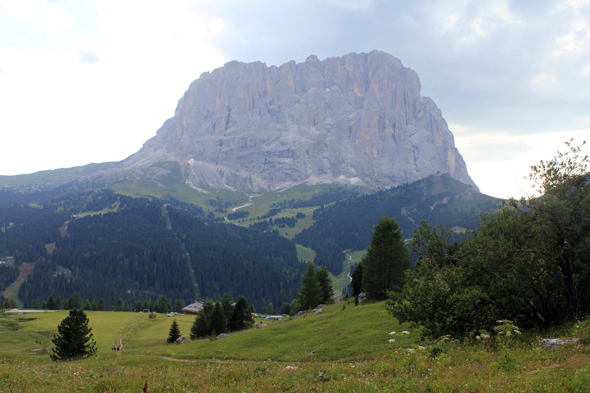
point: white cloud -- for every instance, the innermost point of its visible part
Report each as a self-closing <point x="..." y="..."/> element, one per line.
<point x="62" y="113"/>
<point x="41" y="12"/>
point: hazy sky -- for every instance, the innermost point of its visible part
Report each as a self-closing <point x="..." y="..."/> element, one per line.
<point x="91" y="80"/>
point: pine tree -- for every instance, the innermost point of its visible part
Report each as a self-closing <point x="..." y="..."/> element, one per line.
<point x="357" y="280"/>
<point x="326" y="285"/>
<point x="75" y="301"/>
<point x="102" y="306"/>
<point x="58" y="304"/>
<point x="120" y="306"/>
<point x="36" y="304"/>
<point x="218" y="322"/>
<point x="310" y="293"/>
<point x="179" y="305"/>
<point x="227" y="304"/>
<point x="74" y="338"/>
<point x="199" y="329"/>
<point x="241" y="316"/>
<point x="174" y="333"/>
<point x="385" y="261"/>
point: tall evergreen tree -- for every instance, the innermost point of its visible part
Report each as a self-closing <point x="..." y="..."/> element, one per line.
<point x="218" y="322"/>
<point x="102" y="306"/>
<point x="207" y="311"/>
<point x="199" y="329"/>
<point x="179" y="305"/>
<point x="241" y="316"/>
<point x="227" y="304"/>
<point x="326" y="285"/>
<point x="310" y="293"/>
<point x="76" y="301"/>
<point x="385" y="261"/>
<point x="174" y="333"/>
<point x="120" y="306"/>
<point x="74" y="338"/>
<point x="58" y="304"/>
<point x="36" y="304"/>
<point x="357" y="280"/>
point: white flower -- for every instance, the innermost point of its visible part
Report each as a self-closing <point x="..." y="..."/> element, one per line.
<point x="421" y="348"/>
<point x="391" y="333"/>
<point x="411" y="350"/>
<point x="391" y="340"/>
<point x="405" y="332"/>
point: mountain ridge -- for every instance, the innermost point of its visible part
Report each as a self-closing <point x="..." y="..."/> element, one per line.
<point x="356" y="119"/>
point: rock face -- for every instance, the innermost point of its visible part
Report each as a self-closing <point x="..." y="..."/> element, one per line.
<point x="356" y="119"/>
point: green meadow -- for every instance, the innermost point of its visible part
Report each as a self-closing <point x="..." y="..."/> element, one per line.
<point x="345" y="349"/>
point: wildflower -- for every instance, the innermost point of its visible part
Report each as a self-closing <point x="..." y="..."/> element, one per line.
<point x="391" y="340"/>
<point x="411" y="350"/>
<point x="391" y="333"/>
<point x="405" y="332"/>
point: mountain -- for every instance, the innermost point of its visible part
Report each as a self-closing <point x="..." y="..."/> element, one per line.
<point x="356" y="119"/>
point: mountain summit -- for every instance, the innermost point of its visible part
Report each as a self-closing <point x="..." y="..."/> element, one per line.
<point x="356" y="119"/>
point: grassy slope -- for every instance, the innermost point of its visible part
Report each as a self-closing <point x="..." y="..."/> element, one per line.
<point x="351" y="353"/>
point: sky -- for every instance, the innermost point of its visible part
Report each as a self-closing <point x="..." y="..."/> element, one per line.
<point x="86" y="81"/>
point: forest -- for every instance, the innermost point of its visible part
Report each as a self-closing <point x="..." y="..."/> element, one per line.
<point x="349" y="224"/>
<point x="140" y="249"/>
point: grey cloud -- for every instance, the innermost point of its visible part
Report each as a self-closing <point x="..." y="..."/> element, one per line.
<point x="88" y="57"/>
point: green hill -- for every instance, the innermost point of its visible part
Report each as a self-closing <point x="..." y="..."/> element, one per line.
<point x="345" y="349"/>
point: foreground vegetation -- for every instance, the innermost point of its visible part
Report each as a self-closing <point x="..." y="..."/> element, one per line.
<point x="344" y="349"/>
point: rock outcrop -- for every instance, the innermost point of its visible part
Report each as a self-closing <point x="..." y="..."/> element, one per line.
<point x="356" y="119"/>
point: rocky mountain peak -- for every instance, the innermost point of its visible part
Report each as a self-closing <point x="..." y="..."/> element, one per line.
<point x="357" y="119"/>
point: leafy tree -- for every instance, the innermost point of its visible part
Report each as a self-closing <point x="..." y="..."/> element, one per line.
<point x="357" y="280"/>
<point x="326" y="285"/>
<point x="218" y="322"/>
<point x="174" y="333"/>
<point x="102" y="306"/>
<point x="295" y="307"/>
<point x="120" y="306"/>
<point x="241" y="316"/>
<point x="385" y="261"/>
<point x="74" y="338"/>
<point x="310" y="292"/>
<point x="286" y="308"/>
<point x="528" y="263"/>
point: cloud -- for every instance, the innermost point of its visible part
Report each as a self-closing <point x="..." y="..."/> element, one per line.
<point x="49" y="16"/>
<point x="88" y="57"/>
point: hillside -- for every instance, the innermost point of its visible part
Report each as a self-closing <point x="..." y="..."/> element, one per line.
<point x="348" y="224"/>
<point x="347" y="348"/>
<point x="110" y="246"/>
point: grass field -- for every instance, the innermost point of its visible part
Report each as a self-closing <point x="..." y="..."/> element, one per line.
<point x="345" y="349"/>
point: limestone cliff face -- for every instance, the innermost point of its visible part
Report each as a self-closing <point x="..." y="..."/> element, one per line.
<point x="358" y="119"/>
